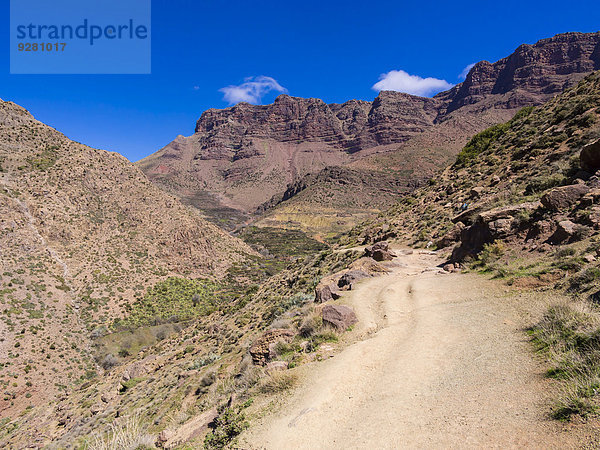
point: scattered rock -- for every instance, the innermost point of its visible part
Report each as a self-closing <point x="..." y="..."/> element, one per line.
<point x="260" y="350"/>
<point x="589" y="258"/>
<point x="451" y="267"/>
<point x="107" y="397"/>
<point x="326" y="292"/>
<point x="589" y="158"/>
<point x="164" y="437"/>
<point x="476" y="192"/>
<point x="348" y="280"/>
<point x="380" y="251"/>
<point x="564" y="231"/>
<point x="339" y="316"/>
<point x="452" y="236"/>
<point x="561" y="198"/>
<point x="276" y="366"/>
<point x="369" y="265"/>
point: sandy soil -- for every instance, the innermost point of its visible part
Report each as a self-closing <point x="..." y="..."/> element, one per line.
<point x="439" y="361"/>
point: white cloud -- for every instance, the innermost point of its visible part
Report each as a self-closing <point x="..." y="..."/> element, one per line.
<point x="251" y="90"/>
<point x="465" y="72"/>
<point x="196" y="88"/>
<point x="399" y="80"/>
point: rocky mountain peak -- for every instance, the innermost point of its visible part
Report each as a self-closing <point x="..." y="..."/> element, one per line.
<point x="539" y="71"/>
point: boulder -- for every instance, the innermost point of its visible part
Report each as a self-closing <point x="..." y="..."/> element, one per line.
<point x="348" y="280"/>
<point x="594" y="217"/>
<point x="452" y="236"/>
<point x="565" y="230"/>
<point x="589" y="158"/>
<point x="261" y="349"/>
<point x="561" y="198"/>
<point x="380" y="251"/>
<point x="476" y="192"/>
<point x="277" y="366"/>
<point x="326" y="292"/>
<point x="338" y="316"/>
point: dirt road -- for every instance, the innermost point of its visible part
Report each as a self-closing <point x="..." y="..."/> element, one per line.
<point x="441" y="361"/>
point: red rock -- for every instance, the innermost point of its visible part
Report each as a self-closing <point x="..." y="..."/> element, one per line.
<point x="563" y="197"/>
<point x="339" y="316"/>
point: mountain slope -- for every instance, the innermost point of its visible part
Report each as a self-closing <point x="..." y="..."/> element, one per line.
<point x="83" y="233"/>
<point x="542" y="154"/>
<point x="243" y="156"/>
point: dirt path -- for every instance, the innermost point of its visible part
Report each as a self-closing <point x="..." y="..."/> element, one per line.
<point x="443" y="363"/>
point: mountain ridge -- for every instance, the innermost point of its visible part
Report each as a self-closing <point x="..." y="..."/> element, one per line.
<point x="242" y="156"/>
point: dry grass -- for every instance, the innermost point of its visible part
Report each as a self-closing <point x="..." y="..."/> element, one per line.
<point x="278" y="382"/>
<point x="126" y="434"/>
<point x="569" y="334"/>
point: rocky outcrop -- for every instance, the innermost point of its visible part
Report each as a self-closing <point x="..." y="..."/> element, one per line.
<point x="497" y="223"/>
<point x="564" y="197"/>
<point x="262" y="348"/>
<point x="589" y="157"/>
<point x="246" y="156"/>
<point x="348" y="280"/>
<point x="530" y="74"/>
<point x="340" y="317"/>
<point x="380" y="251"/>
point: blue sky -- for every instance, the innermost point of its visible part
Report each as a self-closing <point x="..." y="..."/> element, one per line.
<point x="334" y="50"/>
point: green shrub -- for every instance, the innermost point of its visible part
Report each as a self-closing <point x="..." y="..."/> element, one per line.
<point x="175" y="299"/>
<point x="570" y="337"/>
<point x="230" y="422"/>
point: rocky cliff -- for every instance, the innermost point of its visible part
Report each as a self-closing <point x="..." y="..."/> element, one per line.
<point x="240" y="157"/>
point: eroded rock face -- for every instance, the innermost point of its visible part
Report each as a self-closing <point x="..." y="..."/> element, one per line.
<point x="531" y="72"/>
<point x="261" y="349"/>
<point x="339" y="316"/>
<point x="244" y="156"/>
<point x="589" y="157"/>
<point x="564" y="197"/>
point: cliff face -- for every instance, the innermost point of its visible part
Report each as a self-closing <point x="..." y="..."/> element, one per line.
<point x="240" y="157"/>
<point x="532" y="72"/>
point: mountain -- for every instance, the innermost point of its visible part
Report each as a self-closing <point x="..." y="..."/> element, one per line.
<point x="83" y="235"/>
<point x="245" y="156"/>
<point x="530" y="183"/>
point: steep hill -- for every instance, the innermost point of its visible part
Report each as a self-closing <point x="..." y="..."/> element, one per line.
<point x="543" y="154"/>
<point x="83" y="234"/>
<point x="243" y="156"/>
<point x="522" y="204"/>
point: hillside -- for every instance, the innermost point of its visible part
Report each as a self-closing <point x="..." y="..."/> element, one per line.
<point x="522" y="204"/>
<point x="83" y="235"/>
<point x="244" y="156"/>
